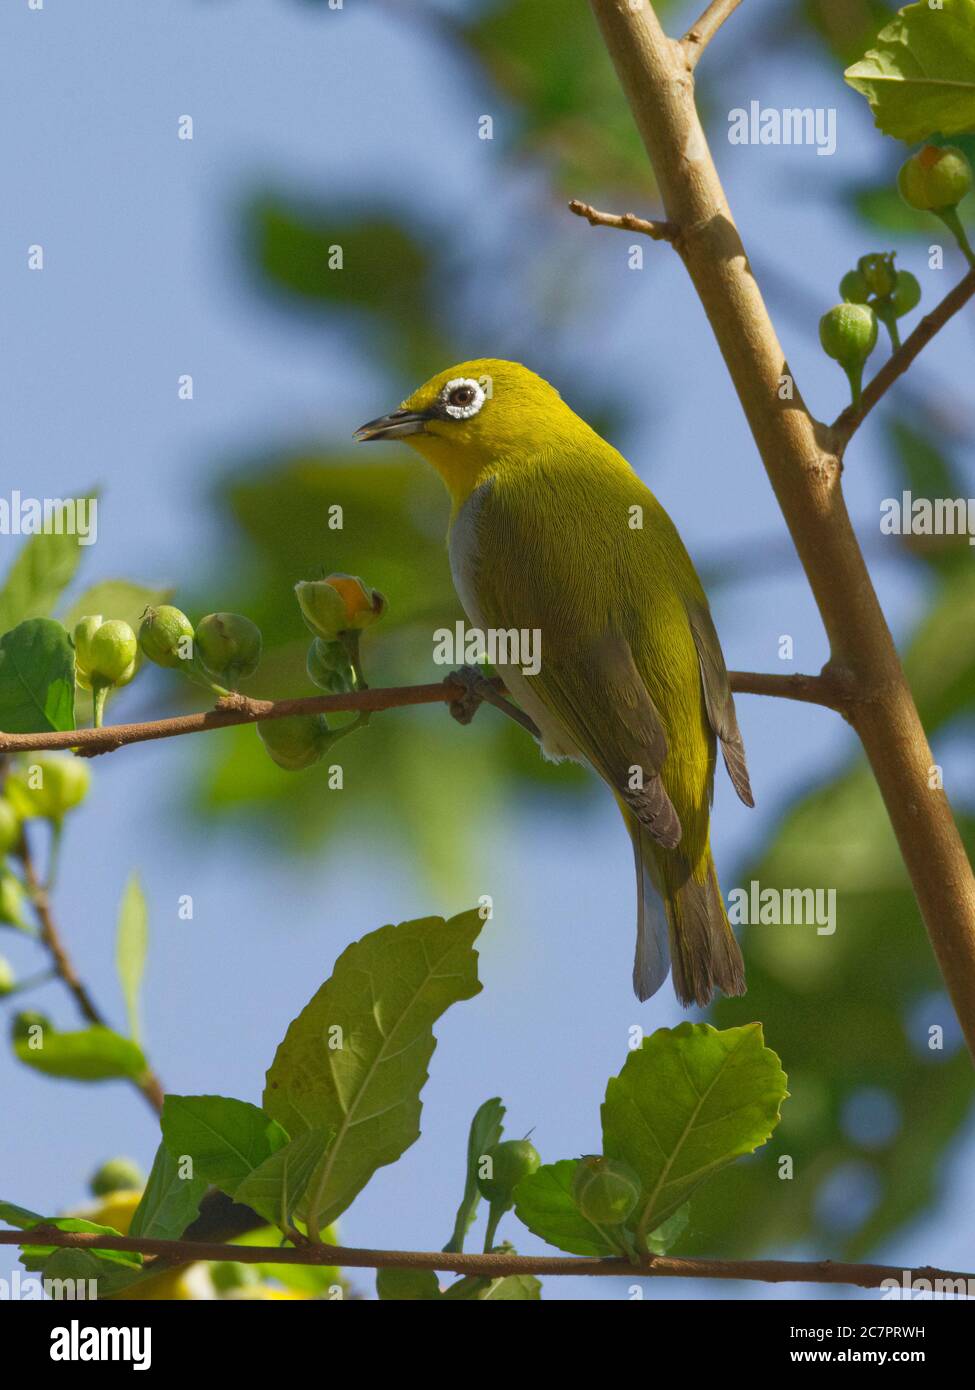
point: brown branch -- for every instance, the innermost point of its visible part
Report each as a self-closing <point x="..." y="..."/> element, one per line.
<point x="828" y="689"/>
<point x="625" y="221"/>
<point x="50" y="938"/>
<point x="803" y="464"/>
<point x="897" y="364"/>
<point x="697" y="38"/>
<point x="491" y="1266"/>
<point x="241" y="709"/>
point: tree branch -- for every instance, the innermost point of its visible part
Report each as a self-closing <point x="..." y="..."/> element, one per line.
<point x="491" y="1266"/>
<point x="625" y="221"/>
<point x="697" y="38"/>
<point x="241" y="709"/>
<point x="804" y="468"/>
<point x="853" y="416"/>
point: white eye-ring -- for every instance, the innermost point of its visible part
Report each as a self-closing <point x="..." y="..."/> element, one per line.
<point x="462" y="398"/>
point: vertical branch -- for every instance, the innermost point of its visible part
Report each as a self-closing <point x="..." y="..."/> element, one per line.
<point x="801" y="459"/>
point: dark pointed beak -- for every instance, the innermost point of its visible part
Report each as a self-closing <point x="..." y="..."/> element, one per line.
<point x="394" y="426"/>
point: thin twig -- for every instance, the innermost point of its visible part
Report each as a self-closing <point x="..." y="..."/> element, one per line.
<point x="853" y="416"/>
<point x="64" y="968"/>
<point x="625" y="221"/>
<point x="492" y="1266"/>
<point x="697" y="38"/>
<point x="811" y="690"/>
<point x="241" y="709"/>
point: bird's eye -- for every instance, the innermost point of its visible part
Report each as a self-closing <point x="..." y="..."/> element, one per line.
<point x="462" y="398"/>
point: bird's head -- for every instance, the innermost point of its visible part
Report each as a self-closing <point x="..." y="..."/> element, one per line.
<point x="471" y="418"/>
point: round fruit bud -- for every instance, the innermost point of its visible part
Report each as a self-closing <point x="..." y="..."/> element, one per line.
<point x="166" y="636"/>
<point x="906" y="295"/>
<point x="295" y="742"/>
<point x="229" y="645"/>
<point x="878" y="273"/>
<point x="7" y="977"/>
<point x="9" y="826"/>
<point x="508" y="1162"/>
<point x="935" y="178"/>
<point x="22" y="1024"/>
<point x="117" y="1175"/>
<point x="11" y="900"/>
<point x="48" y="786"/>
<point x="854" y="288"/>
<point x="328" y="666"/>
<point x="848" y="333"/>
<point x="340" y="603"/>
<point x="105" y="652"/>
<point x="605" y="1190"/>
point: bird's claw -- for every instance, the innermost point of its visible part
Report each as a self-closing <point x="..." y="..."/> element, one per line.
<point x="475" y="686"/>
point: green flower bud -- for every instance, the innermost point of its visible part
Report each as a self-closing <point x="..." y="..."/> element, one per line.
<point x="328" y="666"/>
<point x="935" y="178"/>
<point x="117" y="1175"/>
<point x="508" y="1163"/>
<point x="229" y="645"/>
<point x="848" y="333"/>
<point x="105" y="652"/>
<point x="49" y="786"/>
<point x="7" y="977"/>
<point x="854" y="288"/>
<point x="166" y="636"/>
<point x="340" y="603"/>
<point x="11" y="900"/>
<point x="605" y="1190"/>
<point x="906" y="295"/>
<point x="878" y="273"/>
<point x="9" y="826"/>
<point x="22" y="1023"/>
<point x="295" y="742"/>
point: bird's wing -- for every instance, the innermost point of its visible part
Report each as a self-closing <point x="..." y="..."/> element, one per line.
<point x="718" y="698"/>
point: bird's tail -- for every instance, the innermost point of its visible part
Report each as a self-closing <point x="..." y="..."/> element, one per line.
<point x="682" y="923"/>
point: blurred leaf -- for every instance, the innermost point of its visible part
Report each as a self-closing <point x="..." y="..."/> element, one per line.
<point x="666" y="1235"/>
<point x="169" y="1203"/>
<point x="686" y="1104"/>
<point x="847" y="26"/>
<point x="226" y="1139"/>
<point x="276" y="1186"/>
<point x="93" y="1054"/>
<point x="115" y="598"/>
<point x="44" y="567"/>
<point x="131" y="944"/>
<point x="310" y="1279"/>
<point x="355" y="1059"/>
<point x="544" y="1202"/>
<point x="486" y="1130"/>
<point x="407" y="1285"/>
<point x="920" y="77"/>
<point x="880" y="203"/>
<point x="36" y="678"/>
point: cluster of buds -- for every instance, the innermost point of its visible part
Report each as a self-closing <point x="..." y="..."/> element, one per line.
<point x="222" y="650"/>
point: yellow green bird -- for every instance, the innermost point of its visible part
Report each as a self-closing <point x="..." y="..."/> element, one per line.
<point x="551" y="531"/>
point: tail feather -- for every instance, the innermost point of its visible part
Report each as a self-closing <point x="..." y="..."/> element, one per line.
<point x="652" y="960"/>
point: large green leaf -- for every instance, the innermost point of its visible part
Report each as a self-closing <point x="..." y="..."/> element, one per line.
<point x="920" y="77"/>
<point x="226" y="1139"/>
<point x="686" y="1103"/>
<point x="544" y="1202"/>
<point x="92" y="1054"/>
<point x="36" y="678"/>
<point x="486" y="1129"/>
<point x="355" y="1059"/>
<point x="44" y="567"/>
<point x="131" y="944"/>
<point x="170" y="1203"/>
<point x="34" y="1255"/>
<point x="277" y="1185"/>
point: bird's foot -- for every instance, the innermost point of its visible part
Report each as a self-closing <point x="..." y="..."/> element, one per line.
<point x="480" y="689"/>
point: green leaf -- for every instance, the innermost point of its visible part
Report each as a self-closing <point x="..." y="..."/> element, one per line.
<point x="93" y="1054"/>
<point x="44" y="567"/>
<point x="507" y="1289"/>
<point x="355" y="1059"/>
<point x="310" y="1279"/>
<point x="131" y="943"/>
<point x="116" y="598"/>
<point x="169" y="1203"/>
<point x="686" y="1104"/>
<point x="111" y="1270"/>
<point x="25" y="1220"/>
<point x="276" y="1186"/>
<point x="667" y="1234"/>
<point x="486" y="1129"/>
<point x="544" y="1202"/>
<point x="920" y="77"/>
<point x="36" y="678"/>
<point x="407" y="1285"/>
<point x="226" y="1139"/>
